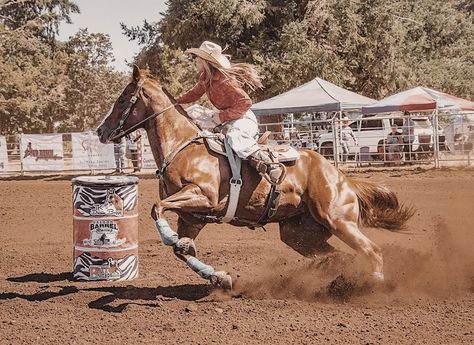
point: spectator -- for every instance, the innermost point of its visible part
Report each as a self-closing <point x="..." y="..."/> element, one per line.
<point x="347" y="138"/>
<point x="408" y="135"/>
<point x="394" y="144"/>
<point x="295" y="140"/>
<point x="119" y="153"/>
<point x="133" y="145"/>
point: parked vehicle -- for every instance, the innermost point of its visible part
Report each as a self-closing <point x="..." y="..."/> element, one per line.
<point x="371" y="133"/>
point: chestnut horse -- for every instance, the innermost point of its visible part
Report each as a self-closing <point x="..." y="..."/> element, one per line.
<point x="316" y="200"/>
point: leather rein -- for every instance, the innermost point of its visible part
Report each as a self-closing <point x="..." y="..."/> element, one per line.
<point x="119" y="133"/>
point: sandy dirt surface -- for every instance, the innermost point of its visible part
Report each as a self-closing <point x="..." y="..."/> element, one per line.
<point x="280" y="297"/>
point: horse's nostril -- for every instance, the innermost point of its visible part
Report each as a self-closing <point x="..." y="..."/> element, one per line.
<point x="99" y="132"/>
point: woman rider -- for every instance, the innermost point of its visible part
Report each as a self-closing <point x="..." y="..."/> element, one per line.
<point x="222" y="81"/>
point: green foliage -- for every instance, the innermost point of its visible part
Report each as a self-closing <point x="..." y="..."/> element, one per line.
<point x="375" y="47"/>
<point x="45" y="85"/>
<point x="40" y="17"/>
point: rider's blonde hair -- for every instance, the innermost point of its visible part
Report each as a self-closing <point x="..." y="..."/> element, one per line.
<point x="244" y="74"/>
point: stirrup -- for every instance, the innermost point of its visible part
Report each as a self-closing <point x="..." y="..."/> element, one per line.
<point x="282" y="176"/>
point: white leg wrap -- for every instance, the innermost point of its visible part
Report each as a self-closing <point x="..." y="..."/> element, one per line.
<point x="168" y="236"/>
<point x="204" y="271"/>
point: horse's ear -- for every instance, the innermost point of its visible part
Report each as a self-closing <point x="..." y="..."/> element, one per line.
<point x="136" y="74"/>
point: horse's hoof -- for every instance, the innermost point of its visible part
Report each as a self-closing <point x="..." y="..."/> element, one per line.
<point x="222" y="280"/>
<point x="185" y="246"/>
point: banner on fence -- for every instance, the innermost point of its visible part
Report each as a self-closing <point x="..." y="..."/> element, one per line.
<point x="42" y="152"/>
<point x="90" y="154"/>
<point x="148" y="160"/>
<point x="3" y="154"/>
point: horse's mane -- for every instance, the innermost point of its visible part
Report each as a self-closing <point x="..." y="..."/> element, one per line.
<point x="148" y="75"/>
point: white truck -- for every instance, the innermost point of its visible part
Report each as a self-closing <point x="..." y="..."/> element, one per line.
<point x="371" y="133"/>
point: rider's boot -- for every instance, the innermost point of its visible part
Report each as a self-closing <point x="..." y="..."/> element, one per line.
<point x="274" y="172"/>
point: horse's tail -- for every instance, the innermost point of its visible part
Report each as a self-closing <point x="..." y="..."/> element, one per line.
<point x="379" y="206"/>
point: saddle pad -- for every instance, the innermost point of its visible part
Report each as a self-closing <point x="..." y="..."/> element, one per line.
<point x="283" y="153"/>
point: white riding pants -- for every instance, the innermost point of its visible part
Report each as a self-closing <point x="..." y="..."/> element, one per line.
<point x="242" y="135"/>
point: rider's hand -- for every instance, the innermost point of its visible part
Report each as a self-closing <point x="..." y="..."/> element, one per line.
<point x="216" y="118"/>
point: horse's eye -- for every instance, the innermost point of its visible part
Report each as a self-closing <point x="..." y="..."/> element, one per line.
<point x="121" y="100"/>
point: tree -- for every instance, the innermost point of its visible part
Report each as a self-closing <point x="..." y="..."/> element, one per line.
<point x="92" y="85"/>
<point x="47" y="85"/>
<point x="375" y="47"/>
<point x="40" y="17"/>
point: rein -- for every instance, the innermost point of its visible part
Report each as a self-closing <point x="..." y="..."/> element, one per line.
<point x="135" y="127"/>
<point x="119" y="133"/>
<point x="133" y="100"/>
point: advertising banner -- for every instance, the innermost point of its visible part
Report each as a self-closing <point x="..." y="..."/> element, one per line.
<point x="88" y="153"/>
<point x="42" y="152"/>
<point x="147" y="156"/>
<point x="3" y="154"/>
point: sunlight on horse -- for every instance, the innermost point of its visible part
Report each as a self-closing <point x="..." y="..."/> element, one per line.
<point x="316" y="200"/>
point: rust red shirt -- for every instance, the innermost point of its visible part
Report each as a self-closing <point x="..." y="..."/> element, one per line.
<point x="224" y="93"/>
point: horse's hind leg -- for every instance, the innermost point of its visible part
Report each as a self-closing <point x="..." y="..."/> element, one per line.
<point x="348" y="231"/>
<point x="341" y="215"/>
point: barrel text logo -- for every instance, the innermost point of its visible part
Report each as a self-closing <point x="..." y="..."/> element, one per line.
<point x="103" y="233"/>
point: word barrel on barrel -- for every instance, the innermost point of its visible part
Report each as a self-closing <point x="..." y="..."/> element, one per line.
<point x="105" y="227"/>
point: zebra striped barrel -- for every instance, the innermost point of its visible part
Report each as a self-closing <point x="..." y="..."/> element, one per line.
<point x="105" y="227"/>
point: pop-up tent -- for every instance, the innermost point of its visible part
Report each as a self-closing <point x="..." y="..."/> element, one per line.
<point x="317" y="95"/>
<point x="419" y="99"/>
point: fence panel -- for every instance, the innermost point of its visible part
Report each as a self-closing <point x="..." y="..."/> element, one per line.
<point x="439" y="140"/>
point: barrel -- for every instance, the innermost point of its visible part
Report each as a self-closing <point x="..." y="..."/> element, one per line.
<point x="105" y="227"/>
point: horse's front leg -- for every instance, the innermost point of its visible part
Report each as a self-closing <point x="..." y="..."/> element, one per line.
<point x="188" y="199"/>
<point x="183" y="241"/>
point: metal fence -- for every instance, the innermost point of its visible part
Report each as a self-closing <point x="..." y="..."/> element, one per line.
<point x="379" y="141"/>
<point x="438" y="140"/>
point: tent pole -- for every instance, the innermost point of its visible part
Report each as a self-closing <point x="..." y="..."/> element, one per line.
<point x="337" y="135"/>
<point x="436" y="137"/>
<point x="334" y="140"/>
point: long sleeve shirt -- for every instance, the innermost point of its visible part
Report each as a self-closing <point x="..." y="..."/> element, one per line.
<point x="347" y="134"/>
<point x="224" y="94"/>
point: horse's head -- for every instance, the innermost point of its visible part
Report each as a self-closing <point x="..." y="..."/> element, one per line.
<point x="117" y="202"/>
<point x="130" y="108"/>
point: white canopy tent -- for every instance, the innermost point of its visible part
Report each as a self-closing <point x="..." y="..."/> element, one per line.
<point x="419" y="99"/>
<point x="317" y="95"/>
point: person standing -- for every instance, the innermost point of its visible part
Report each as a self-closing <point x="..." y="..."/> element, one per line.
<point x="347" y="138"/>
<point x="119" y="154"/>
<point x="134" y="147"/>
<point x="394" y="144"/>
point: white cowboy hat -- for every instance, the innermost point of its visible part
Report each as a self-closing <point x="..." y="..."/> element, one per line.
<point x="211" y="52"/>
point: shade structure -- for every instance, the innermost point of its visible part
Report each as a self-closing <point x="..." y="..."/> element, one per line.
<point x="317" y="95"/>
<point x="419" y="99"/>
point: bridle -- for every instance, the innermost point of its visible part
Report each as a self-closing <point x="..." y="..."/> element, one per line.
<point x="118" y="132"/>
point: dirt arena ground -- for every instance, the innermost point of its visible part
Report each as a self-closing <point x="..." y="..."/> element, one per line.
<point x="279" y="297"/>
